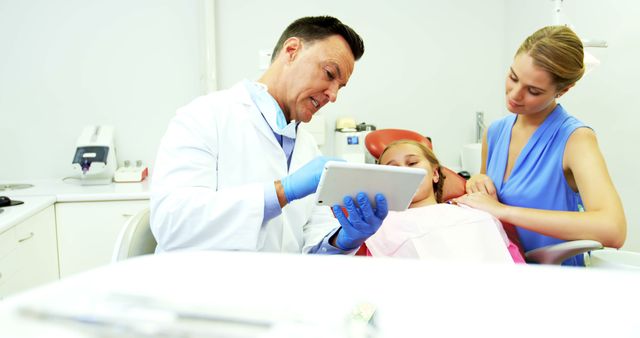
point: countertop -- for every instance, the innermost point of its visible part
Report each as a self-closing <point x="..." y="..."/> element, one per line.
<point x="147" y="296"/>
<point x="13" y="215"/>
<point x="72" y="191"/>
<point x="46" y="192"/>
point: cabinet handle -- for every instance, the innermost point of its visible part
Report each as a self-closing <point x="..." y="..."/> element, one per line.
<point x="26" y="238"/>
<point x="127" y="215"/>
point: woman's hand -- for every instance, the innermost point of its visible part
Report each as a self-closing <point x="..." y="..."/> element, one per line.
<point x="481" y="183"/>
<point x="483" y="201"/>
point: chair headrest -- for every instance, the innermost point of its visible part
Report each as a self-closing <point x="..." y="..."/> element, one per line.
<point x="454" y="184"/>
<point x="377" y="140"/>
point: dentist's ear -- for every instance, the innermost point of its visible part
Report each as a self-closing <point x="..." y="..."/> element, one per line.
<point x="291" y="47"/>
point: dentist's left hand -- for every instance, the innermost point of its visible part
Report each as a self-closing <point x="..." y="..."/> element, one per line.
<point x="304" y="181"/>
<point x="363" y="220"/>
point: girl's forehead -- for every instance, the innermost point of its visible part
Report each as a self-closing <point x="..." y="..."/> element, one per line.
<point x="404" y="150"/>
<point x="407" y="148"/>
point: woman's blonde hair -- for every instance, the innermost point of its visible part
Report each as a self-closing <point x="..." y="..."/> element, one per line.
<point x="559" y="51"/>
<point x="430" y="156"/>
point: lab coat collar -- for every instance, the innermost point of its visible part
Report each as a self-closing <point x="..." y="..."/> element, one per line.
<point x="241" y="94"/>
<point x="270" y="109"/>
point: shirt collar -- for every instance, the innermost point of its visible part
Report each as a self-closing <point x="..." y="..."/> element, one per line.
<point x="270" y="109"/>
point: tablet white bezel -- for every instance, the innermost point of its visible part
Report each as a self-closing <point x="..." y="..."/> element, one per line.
<point x="340" y="179"/>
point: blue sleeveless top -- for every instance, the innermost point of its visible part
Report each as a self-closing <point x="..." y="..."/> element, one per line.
<point x="537" y="179"/>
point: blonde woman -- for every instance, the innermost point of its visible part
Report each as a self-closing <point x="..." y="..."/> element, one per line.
<point x="430" y="229"/>
<point x="542" y="166"/>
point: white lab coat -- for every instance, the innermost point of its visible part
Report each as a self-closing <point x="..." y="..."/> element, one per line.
<point x="207" y="189"/>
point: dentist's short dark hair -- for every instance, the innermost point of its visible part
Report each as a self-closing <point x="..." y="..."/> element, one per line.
<point x="313" y="28"/>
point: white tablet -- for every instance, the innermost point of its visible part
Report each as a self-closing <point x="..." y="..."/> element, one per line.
<point x="340" y="179"/>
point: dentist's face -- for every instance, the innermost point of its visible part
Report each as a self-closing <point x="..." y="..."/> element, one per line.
<point x="529" y="89"/>
<point x="313" y="75"/>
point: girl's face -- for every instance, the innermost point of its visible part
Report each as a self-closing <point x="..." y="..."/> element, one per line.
<point x="409" y="155"/>
<point x="530" y="89"/>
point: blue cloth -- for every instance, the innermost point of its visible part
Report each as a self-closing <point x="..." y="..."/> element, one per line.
<point x="284" y="133"/>
<point x="271" y="203"/>
<point x="537" y="179"/>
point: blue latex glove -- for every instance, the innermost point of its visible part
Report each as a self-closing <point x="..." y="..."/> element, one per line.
<point x="304" y="181"/>
<point x="363" y="220"/>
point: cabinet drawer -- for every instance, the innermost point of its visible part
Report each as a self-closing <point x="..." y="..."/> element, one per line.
<point x="7" y="242"/>
<point x="8" y="267"/>
<point x="87" y="232"/>
<point x="34" y="259"/>
<point x="7" y="255"/>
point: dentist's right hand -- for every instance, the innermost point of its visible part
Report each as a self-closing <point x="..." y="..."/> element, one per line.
<point x="363" y="220"/>
<point x="304" y="181"/>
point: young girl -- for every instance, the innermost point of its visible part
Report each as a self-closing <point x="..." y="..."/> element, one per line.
<point x="431" y="229"/>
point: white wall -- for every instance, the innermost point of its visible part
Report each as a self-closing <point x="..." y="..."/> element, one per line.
<point x="70" y="63"/>
<point x="607" y="98"/>
<point x="428" y="65"/>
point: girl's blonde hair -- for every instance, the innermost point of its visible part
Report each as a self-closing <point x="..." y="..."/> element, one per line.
<point x="430" y="156"/>
<point x="559" y="51"/>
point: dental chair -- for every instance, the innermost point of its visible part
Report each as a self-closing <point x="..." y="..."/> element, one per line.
<point x="454" y="186"/>
<point x="377" y="140"/>
<point x="135" y="238"/>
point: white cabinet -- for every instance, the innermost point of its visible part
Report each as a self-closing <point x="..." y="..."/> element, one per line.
<point x="8" y="260"/>
<point x="87" y="232"/>
<point x="29" y="253"/>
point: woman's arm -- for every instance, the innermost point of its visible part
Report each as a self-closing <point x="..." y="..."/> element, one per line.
<point x="485" y="150"/>
<point x="588" y="174"/>
<point x="603" y="219"/>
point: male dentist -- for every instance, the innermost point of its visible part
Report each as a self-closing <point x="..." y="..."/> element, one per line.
<point x="233" y="172"/>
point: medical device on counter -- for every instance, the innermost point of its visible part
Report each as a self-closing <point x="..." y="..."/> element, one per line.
<point x="130" y="173"/>
<point x="95" y="157"/>
<point x="349" y="140"/>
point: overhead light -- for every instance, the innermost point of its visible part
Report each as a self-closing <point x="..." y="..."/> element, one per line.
<point x="590" y="61"/>
<point x="595" y="43"/>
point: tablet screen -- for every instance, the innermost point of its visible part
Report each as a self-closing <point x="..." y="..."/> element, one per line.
<point x="340" y="179"/>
